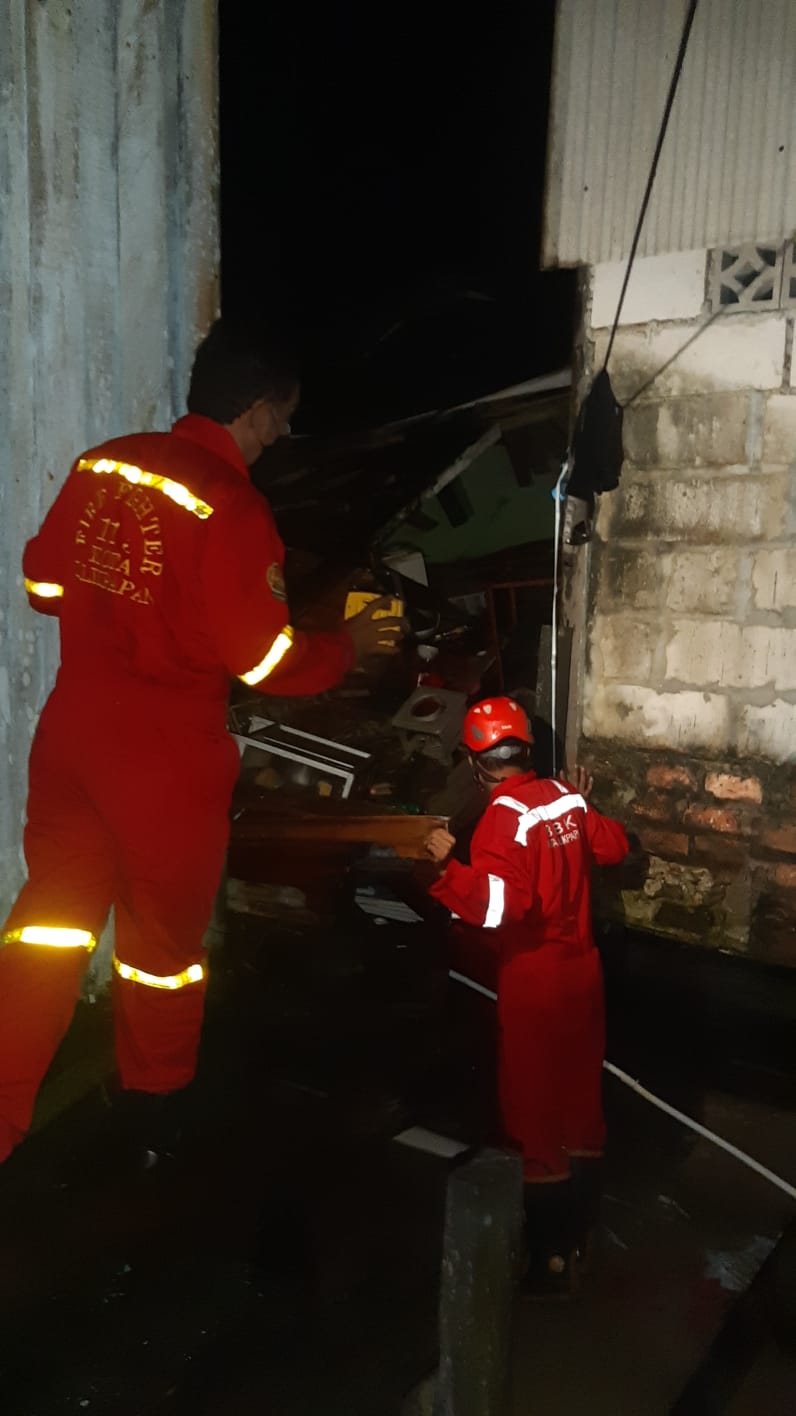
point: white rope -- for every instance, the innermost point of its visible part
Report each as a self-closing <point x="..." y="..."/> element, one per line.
<point x="702" y="1130"/>
<point x="471" y="983"/>
<point x="654" y="1100"/>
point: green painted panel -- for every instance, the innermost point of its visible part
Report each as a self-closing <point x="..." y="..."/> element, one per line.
<point x="504" y="515"/>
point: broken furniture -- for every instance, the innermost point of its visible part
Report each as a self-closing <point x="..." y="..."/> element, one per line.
<point x="508" y="592"/>
<point x="307" y="854"/>
<point x="330" y="766"/>
<point x="430" y="721"/>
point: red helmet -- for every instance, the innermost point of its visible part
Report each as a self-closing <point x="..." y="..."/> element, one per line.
<point x="492" y="721"/>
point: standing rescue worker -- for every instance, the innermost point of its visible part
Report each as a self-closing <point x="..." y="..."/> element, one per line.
<point x="165" y="569"/>
<point x="528" y="888"/>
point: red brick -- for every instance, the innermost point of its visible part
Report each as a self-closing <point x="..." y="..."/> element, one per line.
<point x="780" y="838"/>
<point x="667" y="778"/>
<point x="654" y="808"/>
<point x="718" y="848"/>
<point x="664" y="843"/>
<point x="712" y="818"/>
<point x="730" y="788"/>
<point x="777" y="948"/>
<point x="785" y="876"/>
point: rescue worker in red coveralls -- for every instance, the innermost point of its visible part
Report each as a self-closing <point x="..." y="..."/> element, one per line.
<point x="528" y="886"/>
<point x="164" y="567"/>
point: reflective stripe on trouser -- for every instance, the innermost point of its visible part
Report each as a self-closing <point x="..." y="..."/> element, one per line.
<point x="39" y="986"/>
<point x="147" y="838"/>
<point x="51" y="937"/>
<point x="157" y="1028"/>
<point x="193" y="974"/>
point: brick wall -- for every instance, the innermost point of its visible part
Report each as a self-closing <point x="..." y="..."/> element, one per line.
<point x="689" y="703"/>
<point x="719" y="837"/>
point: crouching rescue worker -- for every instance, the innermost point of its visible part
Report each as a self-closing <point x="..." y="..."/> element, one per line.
<point x="528" y="888"/>
<point x="164" y="567"/>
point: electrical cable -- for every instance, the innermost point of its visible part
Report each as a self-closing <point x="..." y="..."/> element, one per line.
<point x="554" y="616"/>
<point x="664" y="1106"/>
<point x="678" y="69"/>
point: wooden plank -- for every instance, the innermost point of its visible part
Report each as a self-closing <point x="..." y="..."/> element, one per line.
<point x="406" y="834"/>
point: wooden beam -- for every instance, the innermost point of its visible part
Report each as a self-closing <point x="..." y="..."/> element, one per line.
<point x="406" y="834"/>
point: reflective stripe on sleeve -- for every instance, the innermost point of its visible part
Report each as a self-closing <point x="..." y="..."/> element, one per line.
<point x="193" y="974"/>
<point x="497" y="897"/>
<point x="275" y="655"/>
<point x="52" y="938"/>
<point x="45" y="589"/>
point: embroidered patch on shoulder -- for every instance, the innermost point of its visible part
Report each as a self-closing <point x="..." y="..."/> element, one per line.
<point x="276" y="582"/>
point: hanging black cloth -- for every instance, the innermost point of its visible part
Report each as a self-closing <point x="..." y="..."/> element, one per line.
<point x="597" y="453"/>
<point x="597" y="447"/>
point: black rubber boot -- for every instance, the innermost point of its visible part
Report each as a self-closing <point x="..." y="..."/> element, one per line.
<point x="587" y="1182"/>
<point x="549" y="1223"/>
<point x="149" y="1127"/>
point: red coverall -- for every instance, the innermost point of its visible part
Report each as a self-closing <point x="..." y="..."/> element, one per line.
<point x="164" y="566"/>
<point x="529" y="885"/>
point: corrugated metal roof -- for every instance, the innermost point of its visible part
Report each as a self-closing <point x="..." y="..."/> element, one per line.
<point x="728" y="167"/>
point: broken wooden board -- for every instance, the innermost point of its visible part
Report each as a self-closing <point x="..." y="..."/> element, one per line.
<point x="406" y="835"/>
<point x="313" y="851"/>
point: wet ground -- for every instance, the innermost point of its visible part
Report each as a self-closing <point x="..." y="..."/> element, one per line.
<point x="288" y="1262"/>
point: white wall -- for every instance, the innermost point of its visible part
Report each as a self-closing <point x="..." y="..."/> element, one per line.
<point x="689" y="696"/>
<point x="108" y="273"/>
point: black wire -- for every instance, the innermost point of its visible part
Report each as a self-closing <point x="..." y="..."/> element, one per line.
<point x="717" y="314"/>
<point x="722" y="310"/>
<point x="689" y="20"/>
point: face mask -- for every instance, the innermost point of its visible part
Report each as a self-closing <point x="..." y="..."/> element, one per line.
<point x="488" y="779"/>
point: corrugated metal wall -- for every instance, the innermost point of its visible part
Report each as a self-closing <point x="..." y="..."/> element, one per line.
<point x="728" y="168"/>
<point x="108" y="271"/>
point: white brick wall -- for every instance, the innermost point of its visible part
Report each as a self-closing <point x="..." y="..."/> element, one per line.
<point x="721" y="654"/>
<point x="769" y="732"/>
<point x="704" y="652"/>
<point x="734" y="352"/>
<point x="779" y="430"/>
<point x="704" y="582"/>
<point x="688" y="432"/>
<point x="768" y="656"/>
<point x="636" y="581"/>
<point x="670" y="287"/>
<point x="692" y="624"/>
<point x="774" y="578"/>
<point x="693" y="644"/>
<point x="656" y="506"/>
<point x="622" y="648"/>
<point x="646" y="718"/>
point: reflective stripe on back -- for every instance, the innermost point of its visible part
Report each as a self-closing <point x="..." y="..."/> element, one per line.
<point x="534" y="816"/>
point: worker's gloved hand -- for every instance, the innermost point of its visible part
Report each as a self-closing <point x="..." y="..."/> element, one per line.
<point x="580" y="781"/>
<point x="374" y="630"/>
<point x="439" y="845"/>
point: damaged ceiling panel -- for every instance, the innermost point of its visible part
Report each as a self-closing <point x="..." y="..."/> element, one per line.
<point x="334" y="496"/>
